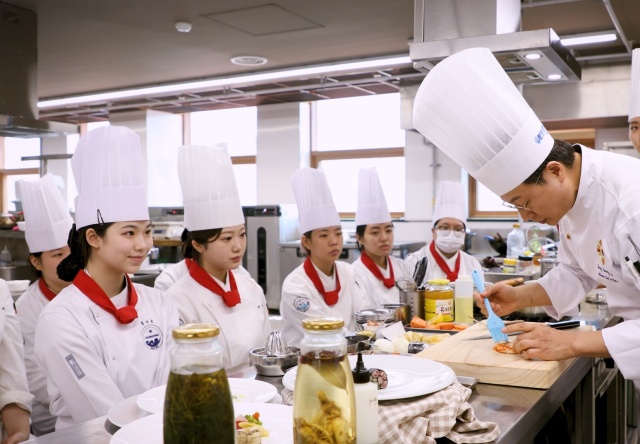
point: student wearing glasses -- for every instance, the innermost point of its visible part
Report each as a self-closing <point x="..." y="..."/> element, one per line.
<point x="445" y="259"/>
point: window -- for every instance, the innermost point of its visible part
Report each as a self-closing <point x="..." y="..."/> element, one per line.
<point x="14" y="168"/>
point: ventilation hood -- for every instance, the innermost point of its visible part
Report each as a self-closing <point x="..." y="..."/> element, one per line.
<point x="18" y="78"/>
<point x="443" y="28"/>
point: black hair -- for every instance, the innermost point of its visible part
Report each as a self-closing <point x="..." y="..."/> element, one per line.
<point x="37" y="272"/>
<point x="435" y="224"/>
<point x="202" y="237"/>
<point x="69" y="267"/>
<point x="562" y="152"/>
<point x="304" y="249"/>
<point x="360" y="230"/>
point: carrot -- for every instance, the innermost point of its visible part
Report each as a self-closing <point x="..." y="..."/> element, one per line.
<point x="446" y="326"/>
<point x="418" y="322"/>
<point x="432" y="327"/>
<point x="460" y="327"/>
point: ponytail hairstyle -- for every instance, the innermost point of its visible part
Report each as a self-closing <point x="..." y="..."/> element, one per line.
<point x="202" y="237"/>
<point x="80" y="250"/>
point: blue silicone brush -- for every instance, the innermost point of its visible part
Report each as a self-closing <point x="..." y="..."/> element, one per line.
<point x="494" y="323"/>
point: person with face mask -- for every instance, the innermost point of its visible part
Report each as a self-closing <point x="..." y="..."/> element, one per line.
<point x="445" y="259"/>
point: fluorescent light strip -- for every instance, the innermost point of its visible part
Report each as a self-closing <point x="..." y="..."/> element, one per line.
<point x="588" y="39"/>
<point x="227" y="81"/>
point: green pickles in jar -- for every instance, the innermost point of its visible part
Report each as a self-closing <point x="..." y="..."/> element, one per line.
<point x="198" y="408"/>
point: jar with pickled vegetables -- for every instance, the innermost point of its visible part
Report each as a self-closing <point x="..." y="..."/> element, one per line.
<point x="198" y="407"/>
<point x="324" y="408"/>
<point x="438" y="301"/>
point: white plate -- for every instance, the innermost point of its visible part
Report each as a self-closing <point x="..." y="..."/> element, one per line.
<point x="242" y="390"/>
<point x="277" y="419"/>
<point x="408" y="376"/>
<point x="125" y="412"/>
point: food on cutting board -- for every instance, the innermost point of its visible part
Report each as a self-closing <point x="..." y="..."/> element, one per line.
<point x="416" y="347"/>
<point x="379" y="377"/>
<point x="505" y="347"/>
<point x="435" y="323"/>
<point x="416" y="336"/>
<point x="249" y="429"/>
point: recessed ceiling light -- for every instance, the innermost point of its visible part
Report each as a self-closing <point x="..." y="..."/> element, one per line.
<point x="183" y="26"/>
<point x="532" y="56"/>
<point x="554" y="77"/>
<point x="249" y="60"/>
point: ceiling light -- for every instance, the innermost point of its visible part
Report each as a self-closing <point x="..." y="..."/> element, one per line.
<point x="532" y="56"/>
<point x="227" y="82"/>
<point x="554" y="77"/>
<point x="249" y="60"/>
<point x="183" y="26"/>
<point x="589" y="38"/>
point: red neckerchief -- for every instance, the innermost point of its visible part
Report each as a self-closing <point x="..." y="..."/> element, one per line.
<point x="124" y="315"/>
<point x="373" y="268"/>
<point x="451" y="275"/>
<point x="46" y="291"/>
<point x="230" y="298"/>
<point x="330" y="297"/>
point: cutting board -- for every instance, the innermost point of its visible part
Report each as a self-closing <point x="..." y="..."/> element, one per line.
<point x="477" y="358"/>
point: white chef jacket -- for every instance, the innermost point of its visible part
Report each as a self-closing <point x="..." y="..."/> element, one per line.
<point x="14" y="388"/>
<point x="468" y="263"/>
<point x="174" y="272"/>
<point x="242" y="327"/>
<point x="29" y="305"/>
<point x="370" y="290"/>
<point x="92" y="361"/>
<point x="300" y="300"/>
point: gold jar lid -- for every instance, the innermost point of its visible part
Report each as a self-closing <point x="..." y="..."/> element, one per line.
<point x="196" y="331"/>
<point x="322" y="324"/>
<point x="438" y="281"/>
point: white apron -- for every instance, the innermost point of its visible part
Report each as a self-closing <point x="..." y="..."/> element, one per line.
<point x="370" y="290"/>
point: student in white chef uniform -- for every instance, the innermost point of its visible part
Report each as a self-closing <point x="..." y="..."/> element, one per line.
<point x="376" y="270"/>
<point x="591" y="194"/>
<point x="322" y="285"/>
<point x="212" y="292"/>
<point x="103" y="338"/>
<point x="47" y="228"/>
<point x="445" y="258"/>
<point x="634" y="102"/>
<point x="15" y="399"/>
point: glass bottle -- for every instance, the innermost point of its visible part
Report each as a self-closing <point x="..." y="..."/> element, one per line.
<point x="324" y="407"/>
<point x="198" y="406"/>
<point x="438" y="300"/>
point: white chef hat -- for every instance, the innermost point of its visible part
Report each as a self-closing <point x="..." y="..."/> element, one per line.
<point x="209" y="189"/>
<point x="313" y="198"/>
<point x="450" y="202"/>
<point x="110" y="176"/>
<point x="634" y="102"/>
<point x="470" y="109"/>
<point x="372" y="206"/>
<point x="46" y="215"/>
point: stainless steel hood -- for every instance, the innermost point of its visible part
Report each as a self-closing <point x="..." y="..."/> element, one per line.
<point x="442" y="28"/>
<point x="18" y="78"/>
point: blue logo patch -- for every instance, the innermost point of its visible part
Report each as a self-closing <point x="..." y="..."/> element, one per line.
<point x="541" y="134"/>
<point x="301" y="304"/>
<point x="152" y="336"/>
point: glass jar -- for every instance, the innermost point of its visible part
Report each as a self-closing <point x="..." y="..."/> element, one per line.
<point x="324" y="407"/>
<point x="438" y="300"/>
<point x="198" y="406"/>
<point x="524" y="265"/>
<point x="509" y="265"/>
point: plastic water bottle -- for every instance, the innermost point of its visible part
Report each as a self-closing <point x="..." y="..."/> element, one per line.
<point x="515" y="242"/>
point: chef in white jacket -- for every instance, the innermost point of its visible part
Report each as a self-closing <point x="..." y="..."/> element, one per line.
<point x="211" y="291"/>
<point x="15" y="399"/>
<point x="103" y="338"/>
<point x="376" y="270"/>
<point x="322" y="285"/>
<point x="591" y="195"/>
<point x="634" y="101"/>
<point x="444" y="255"/>
<point x="48" y="223"/>
<point x="174" y="272"/>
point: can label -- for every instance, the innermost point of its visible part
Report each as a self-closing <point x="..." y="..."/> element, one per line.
<point x="434" y="307"/>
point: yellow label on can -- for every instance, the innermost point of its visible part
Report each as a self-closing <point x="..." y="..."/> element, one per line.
<point x="444" y="307"/>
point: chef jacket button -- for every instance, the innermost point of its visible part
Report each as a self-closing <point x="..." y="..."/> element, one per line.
<point x="568" y="236"/>
<point x="113" y="357"/>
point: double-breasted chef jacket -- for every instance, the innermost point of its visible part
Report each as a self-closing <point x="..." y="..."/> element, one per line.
<point x="468" y="263"/>
<point x="593" y="246"/>
<point x="371" y="291"/>
<point x="300" y="300"/>
<point x="29" y="306"/>
<point x="173" y="273"/>
<point x="92" y="361"/>
<point x="14" y="388"/>
<point x="242" y="327"/>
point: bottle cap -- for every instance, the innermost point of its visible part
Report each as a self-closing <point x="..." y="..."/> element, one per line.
<point x="438" y="281"/>
<point x="360" y="372"/>
<point x="509" y="261"/>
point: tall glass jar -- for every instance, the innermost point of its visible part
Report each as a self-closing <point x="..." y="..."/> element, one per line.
<point x="198" y="407"/>
<point x="324" y="407"/>
<point x="438" y="300"/>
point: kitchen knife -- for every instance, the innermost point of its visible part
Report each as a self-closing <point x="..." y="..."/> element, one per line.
<point x="561" y="325"/>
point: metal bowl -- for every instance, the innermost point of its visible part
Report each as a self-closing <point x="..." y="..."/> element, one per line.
<point x="273" y="365"/>
<point x="357" y="343"/>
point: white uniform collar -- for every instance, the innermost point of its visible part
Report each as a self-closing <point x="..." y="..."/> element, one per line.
<point x="328" y="282"/>
<point x="225" y="285"/>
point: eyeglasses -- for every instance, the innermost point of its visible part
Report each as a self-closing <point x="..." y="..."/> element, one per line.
<point x="457" y="231"/>
<point x="522" y="207"/>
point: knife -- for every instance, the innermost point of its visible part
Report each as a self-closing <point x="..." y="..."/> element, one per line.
<point x="561" y="325"/>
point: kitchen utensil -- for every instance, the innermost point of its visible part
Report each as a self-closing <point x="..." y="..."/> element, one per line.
<point x="421" y="272"/>
<point x="414" y="302"/>
<point x="404" y="284"/>
<point x="275" y="357"/>
<point x="494" y="323"/>
<point x="357" y="343"/>
<point x="402" y="312"/>
<point x="376" y="316"/>
<point x="561" y="325"/>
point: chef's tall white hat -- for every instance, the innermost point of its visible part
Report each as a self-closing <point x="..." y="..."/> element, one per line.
<point x="110" y="176"/>
<point x="634" y="102"/>
<point x="46" y="214"/>
<point x="209" y="189"/>
<point x="372" y="206"/>
<point x="314" y="200"/>
<point x="450" y="202"/>
<point x="470" y="109"/>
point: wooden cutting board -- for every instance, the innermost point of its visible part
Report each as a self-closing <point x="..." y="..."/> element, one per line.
<point x="477" y="358"/>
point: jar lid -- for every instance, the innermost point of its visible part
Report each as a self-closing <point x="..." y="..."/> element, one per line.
<point x="322" y="323"/>
<point x="196" y="331"/>
<point x="510" y="261"/>
<point x="438" y="281"/>
<point x="525" y="258"/>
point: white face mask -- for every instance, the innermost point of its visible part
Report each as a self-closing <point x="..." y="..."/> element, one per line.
<point x="450" y="243"/>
